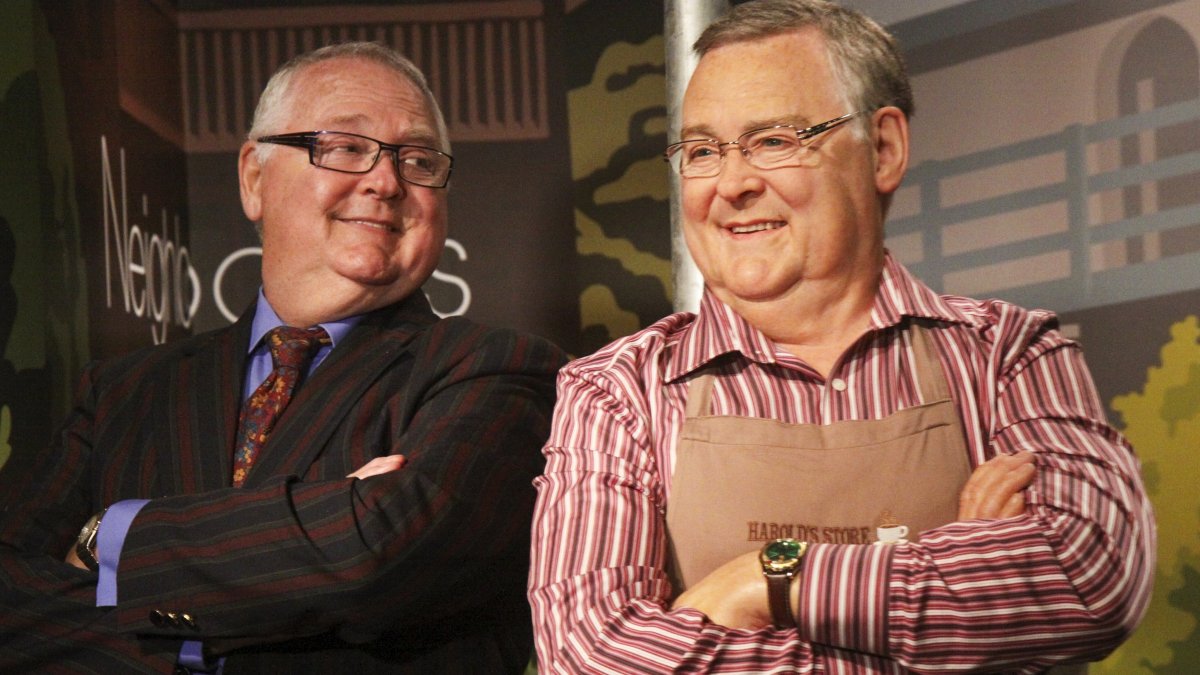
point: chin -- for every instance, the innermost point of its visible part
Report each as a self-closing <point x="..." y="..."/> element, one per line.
<point x="367" y="270"/>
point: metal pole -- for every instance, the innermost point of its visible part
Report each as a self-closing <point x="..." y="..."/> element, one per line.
<point x="684" y="20"/>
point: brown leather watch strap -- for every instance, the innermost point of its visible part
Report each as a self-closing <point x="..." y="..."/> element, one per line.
<point x="779" y="591"/>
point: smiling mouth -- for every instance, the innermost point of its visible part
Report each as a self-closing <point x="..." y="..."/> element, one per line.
<point x="373" y="224"/>
<point x="757" y="227"/>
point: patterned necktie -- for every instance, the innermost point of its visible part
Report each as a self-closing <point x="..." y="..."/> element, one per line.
<point x="291" y="351"/>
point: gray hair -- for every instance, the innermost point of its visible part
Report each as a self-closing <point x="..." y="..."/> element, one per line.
<point x="272" y="104"/>
<point x="863" y="56"/>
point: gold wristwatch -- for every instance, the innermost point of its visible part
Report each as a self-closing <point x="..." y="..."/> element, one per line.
<point x="781" y="560"/>
<point x="85" y="545"/>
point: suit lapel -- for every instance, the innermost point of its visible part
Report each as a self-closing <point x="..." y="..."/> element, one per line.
<point x="201" y="410"/>
<point x="333" y="391"/>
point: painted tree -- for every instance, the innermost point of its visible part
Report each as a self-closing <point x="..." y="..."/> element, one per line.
<point x="1163" y="423"/>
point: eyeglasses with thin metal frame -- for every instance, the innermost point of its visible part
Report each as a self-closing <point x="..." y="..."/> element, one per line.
<point x="354" y="153"/>
<point x="781" y="145"/>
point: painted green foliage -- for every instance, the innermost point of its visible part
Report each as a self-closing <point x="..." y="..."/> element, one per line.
<point x="618" y="118"/>
<point x="43" y="316"/>
<point x="1163" y="423"/>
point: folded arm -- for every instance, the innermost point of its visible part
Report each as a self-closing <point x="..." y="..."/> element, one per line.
<point x="735" y="595"/>
<point x="320" y="552"/>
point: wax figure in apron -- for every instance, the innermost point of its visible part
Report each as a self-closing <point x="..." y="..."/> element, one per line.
<point x="740" y="482"/>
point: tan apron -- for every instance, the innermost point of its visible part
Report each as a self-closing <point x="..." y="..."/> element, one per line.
<point x="739" y="482"/>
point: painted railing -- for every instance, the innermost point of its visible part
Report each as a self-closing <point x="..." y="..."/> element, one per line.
<point x="1077" y="276"/>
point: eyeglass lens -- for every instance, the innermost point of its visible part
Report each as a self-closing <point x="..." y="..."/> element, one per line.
<point x="769" y="148"/>
<point x="358" y="154"/>
<point x="765" y="149"/>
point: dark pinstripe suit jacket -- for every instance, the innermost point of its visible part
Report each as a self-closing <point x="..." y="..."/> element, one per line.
<point x="300" y="570"/>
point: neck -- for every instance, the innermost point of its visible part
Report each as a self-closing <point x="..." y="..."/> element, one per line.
<point x="816" y="323"/>
<point x="305" y="310"/>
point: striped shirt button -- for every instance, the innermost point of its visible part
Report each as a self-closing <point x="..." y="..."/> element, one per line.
<point x="838" y="384"/>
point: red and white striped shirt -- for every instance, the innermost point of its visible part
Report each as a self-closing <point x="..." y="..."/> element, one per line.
<point x="1070" y="579"/>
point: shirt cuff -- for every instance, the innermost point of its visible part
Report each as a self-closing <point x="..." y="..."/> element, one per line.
<point x="109" y="542"/>
<point x="191" y="656"/>
<point x="844" y="596"/>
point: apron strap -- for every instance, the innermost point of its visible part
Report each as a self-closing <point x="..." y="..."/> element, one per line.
<point x="931" y="376"/>
<point x="698" y="394"/>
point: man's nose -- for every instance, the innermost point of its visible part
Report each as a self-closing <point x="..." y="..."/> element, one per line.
<point x="384" y="177"/>
<point x="737" y="176"/>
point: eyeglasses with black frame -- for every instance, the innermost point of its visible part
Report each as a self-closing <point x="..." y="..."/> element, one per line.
<point x="354" y="153"/>
<point x="774" y="147"/>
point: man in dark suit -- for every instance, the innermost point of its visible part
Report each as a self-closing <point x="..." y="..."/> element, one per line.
<point x="383" y="526"/>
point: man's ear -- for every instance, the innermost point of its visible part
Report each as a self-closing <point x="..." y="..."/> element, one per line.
<point x="250" y="181"/>
<point x="891" y="148"/>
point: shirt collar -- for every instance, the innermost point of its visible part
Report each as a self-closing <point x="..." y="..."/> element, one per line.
<point x="265" y="319"/>
<point x="902" y="295"/>
<point x="718" y="330"/>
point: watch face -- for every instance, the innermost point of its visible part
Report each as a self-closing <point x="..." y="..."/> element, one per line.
<point x="782" y="555"/>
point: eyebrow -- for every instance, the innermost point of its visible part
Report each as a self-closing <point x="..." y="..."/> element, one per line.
<point x="705" y="131"/>
<point x="353" y="124"/>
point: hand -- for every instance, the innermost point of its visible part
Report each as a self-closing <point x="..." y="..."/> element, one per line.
<point x="996" y="488"/>
<point x="734" y="595"/>
<point x="74" y="560"/>
<point x="379" y="465"/>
